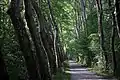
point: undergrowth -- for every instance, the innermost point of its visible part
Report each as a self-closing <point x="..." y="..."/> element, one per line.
<point x="61" y="74"/>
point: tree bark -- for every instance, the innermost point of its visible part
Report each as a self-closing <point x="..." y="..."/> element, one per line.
<point x="24" y="41"/>
<point x="113" y="37"/>
<point x="37" y="39"/>
<point x="83" y="8"/>
<point x="56" y="37"/>
<point x="100" y="30"/>
<point x="113" y="51"/>
<point x="47" y="44"/>
<point x="117" y="14"/>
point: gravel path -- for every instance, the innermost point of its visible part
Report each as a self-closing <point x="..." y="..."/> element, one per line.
<point x="81" y="73"/>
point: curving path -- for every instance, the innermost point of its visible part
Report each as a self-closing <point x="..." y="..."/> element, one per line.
<point x="81" y="73"/>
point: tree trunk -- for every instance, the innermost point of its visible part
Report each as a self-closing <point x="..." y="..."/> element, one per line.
<point x="83" y="7"/>
<point x="113" y="51"/>
<point x="113" y="38"/>
<point x="24" y="41"/>
<point x="56" y="37"/>
<point x="47" y="44"/>
<point x="100" y="30"/>
<point x="36" y="36"/>
<point x="117" y="14"/>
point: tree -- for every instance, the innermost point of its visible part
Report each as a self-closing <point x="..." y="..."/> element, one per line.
<point x="113" y="37"/>
<point x="100" y="29"/>
<point x="36" y="36"/>
<point x="26" y="47"/>
<point x="56" y="36"/>
<point x="117" y="11"/>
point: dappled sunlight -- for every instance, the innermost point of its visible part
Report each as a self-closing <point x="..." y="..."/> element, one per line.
<point x="79" y="72"/>
<point x="78" y="69"/>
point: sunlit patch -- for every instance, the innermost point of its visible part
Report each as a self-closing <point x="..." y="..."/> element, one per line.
<point x="68" y="72"/>
<point x="79" y="69"/>
<point x="79" y="72"/>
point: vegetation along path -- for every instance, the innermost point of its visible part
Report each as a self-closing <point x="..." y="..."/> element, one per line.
<point x="81" y="73"/>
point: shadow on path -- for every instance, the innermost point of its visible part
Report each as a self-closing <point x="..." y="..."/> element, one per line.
<point x="79" y="72"/>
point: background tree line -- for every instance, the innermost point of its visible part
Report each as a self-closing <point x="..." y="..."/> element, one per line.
<point x="96" y="33"/>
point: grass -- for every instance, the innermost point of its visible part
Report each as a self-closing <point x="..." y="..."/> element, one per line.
<point x="61" y="75"/>
<point x="101" y="72"/>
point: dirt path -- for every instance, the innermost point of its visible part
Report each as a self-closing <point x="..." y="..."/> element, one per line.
<point x="81" y="73"/>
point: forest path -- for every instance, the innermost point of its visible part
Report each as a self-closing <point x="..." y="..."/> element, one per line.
<point x="81" y="73"/>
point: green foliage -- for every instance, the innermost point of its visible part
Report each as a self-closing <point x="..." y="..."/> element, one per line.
<point x="9" y="46"/>
<point x="61" y="74"/>
<point x="78" y="35"/>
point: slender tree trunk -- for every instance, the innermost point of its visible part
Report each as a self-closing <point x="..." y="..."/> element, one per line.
<point x="113" y="51"/>
<point x="83" y="7"/>
<point x="117" y="14"/>
<point x="36" y="36"/>
<point x="47" y="41"/>
<point x="100" y="30"/>
<point x="77" y="30"/>
<point x="113" y="37"/>
<point x="56" y="37"/>
<point x="24" y="41"/>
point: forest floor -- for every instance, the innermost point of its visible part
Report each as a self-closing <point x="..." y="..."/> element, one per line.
<point x="61" y="74"/>
<point x="79" y="72"/>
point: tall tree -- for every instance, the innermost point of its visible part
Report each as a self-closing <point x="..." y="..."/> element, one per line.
<point x="100" y="29"/>
<point x="113" y="36"/>
<point x="117" y="14"/>
<point x="36" y="36"/>
<point x="56" y="36"/>
<point x="24" y="41"/>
